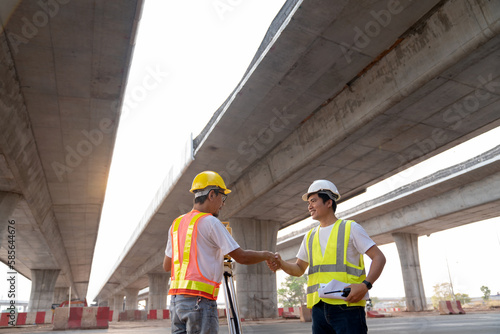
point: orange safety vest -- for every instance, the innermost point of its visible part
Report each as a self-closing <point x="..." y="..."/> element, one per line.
<point x="186" y="277"/>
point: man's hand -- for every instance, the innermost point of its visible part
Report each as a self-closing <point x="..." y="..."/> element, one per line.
<point x="274" y="263"/>
<point x="358" y="291"/>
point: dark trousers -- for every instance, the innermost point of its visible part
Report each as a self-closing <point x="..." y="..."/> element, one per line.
<point x="338" y="319"/>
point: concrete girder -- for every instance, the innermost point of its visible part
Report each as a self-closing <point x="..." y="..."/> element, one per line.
<point x="62" y="85"/>
<point x="383" y="91"/>
<point x="137" y="278"/>
<point x="467" y="204"/>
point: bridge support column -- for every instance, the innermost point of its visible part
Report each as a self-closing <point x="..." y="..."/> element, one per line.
<point x="255" y="284"/>
<point x="407" y="245"/>
<point x="61" y="295"/>
<point x="158" y="291"/>
<point x="131" y="296"/>
<point x="43" y="282"/>
<point x="117" y="306"/>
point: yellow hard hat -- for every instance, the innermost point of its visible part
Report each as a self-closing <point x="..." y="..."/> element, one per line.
<point x="209" y="179"/>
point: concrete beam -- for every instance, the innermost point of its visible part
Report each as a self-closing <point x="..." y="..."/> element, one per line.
<point x="423" y="56"/>
<point x="147" y="266"/>
<point x="471" y="203"/>
<point x="21" y="155"/>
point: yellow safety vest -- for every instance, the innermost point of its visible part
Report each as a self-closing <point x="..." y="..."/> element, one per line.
<point x="186" y="277"/>
<point x="333" y="264"/>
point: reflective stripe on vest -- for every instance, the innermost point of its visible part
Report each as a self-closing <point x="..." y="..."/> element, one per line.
<point x="333" y="264"/>
<point x="186" y="277"/>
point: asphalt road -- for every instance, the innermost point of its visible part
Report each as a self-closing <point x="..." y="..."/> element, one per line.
<point x="480" y="323"/>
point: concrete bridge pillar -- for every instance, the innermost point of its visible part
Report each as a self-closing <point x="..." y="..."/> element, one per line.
<point x="407" y="245"/>
<point x="255" y="284"/>
<point x="61" y="295"/>
<point x="117" y="306"/>
<point x="43" y="282"/>
<point x="158" y="291"/>
<point x="131" y="296"/>
<point x="111" y="303"/>
<point x="103" y="303"/>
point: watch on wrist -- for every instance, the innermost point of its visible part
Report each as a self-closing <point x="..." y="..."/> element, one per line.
<point x="368" y="284"/>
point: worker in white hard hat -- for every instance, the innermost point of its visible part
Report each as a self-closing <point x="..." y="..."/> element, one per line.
<point x="333" y="251"/>
<point x="196" y="257"/>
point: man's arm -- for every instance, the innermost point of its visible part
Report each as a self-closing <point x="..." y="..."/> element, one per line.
<point x="358" y="291"/>
<point x="378" y="263"/>
<point x="295" y="269"/>
<point x="250" y="256"/>
<point x="167" y="264"/>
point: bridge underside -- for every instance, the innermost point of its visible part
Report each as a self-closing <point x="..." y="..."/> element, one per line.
<point x="352" y="92"/>
<point x="63" y="71"/>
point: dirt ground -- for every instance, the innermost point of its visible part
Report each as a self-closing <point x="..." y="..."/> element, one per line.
<point x="166" y="323"/>
<point x="471" y="309"/>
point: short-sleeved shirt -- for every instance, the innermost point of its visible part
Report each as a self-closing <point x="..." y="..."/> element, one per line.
<point x="359" y="243"/>
<point x="214" y="241"/>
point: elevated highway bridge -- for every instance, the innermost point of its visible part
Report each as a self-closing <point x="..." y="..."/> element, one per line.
<point x="348" y="91"/>
<point x="63" y="72"/>
<point x="333" y="92"/>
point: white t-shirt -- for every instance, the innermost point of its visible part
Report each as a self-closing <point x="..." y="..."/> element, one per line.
<point x="214" y="241"/>
<point x="359" y="243"/>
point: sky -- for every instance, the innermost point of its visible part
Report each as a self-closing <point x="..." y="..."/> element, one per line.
<point x="189" y="56"/>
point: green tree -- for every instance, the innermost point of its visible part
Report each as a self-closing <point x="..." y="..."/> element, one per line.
<point x="441" y="292"/>
<point x="293" y="291"/>
<point x="486" y="293"/>
<point x="463" y="298"/>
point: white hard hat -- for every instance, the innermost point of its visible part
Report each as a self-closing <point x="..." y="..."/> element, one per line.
<point x="324" y="187"/>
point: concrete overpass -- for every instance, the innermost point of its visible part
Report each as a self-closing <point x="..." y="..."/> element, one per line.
<point x="465" y="193"/>
<point x="353" y="92"/>
<point x="63" y="70"/>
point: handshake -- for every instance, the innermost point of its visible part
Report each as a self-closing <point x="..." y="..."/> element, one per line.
<point x="274" y="261"/>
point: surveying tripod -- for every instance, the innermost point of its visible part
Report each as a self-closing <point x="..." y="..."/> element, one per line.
<point x="232" y="310"/>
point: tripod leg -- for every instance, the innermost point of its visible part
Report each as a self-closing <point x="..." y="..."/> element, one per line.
<point x="233" y="318"/>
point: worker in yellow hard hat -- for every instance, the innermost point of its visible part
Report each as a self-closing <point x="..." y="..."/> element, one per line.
<point x="196" y="246"/>
<point x="333" y="251"/>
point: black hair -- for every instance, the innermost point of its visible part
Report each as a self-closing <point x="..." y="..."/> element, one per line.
<point x="202" y="199"/>
<point x="325" y="198"/>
